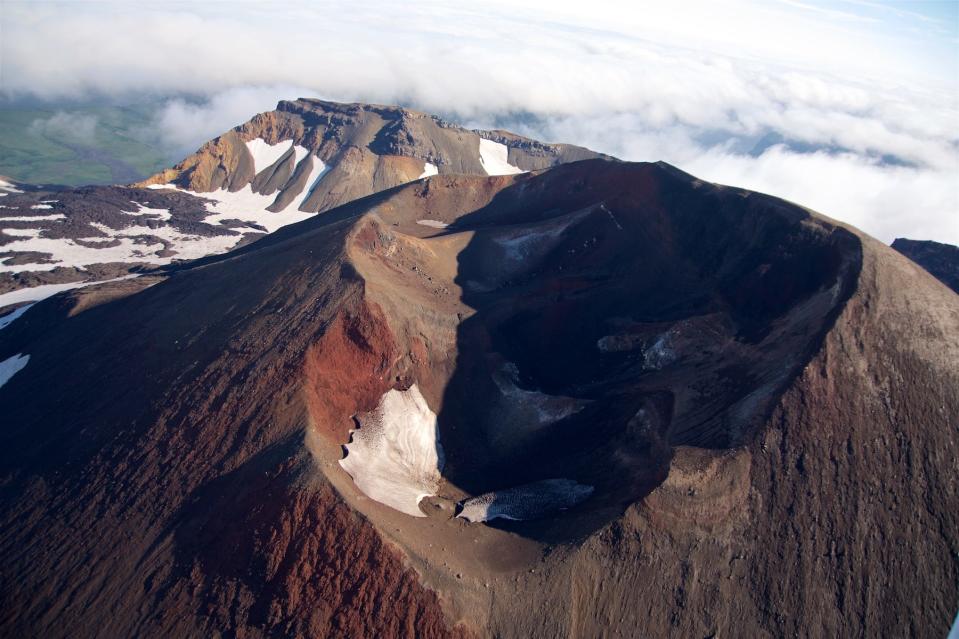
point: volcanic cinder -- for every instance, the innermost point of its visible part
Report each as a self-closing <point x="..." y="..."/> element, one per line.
<point x="720" y="414"/>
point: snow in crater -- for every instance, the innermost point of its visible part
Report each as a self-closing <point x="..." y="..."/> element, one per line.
<point x="537" y="407"/>
<point x="10" y="318"/>
<point x="428" y="170"/>
<point x="525" y="502"/>
<point x="37" y="293"/>
<point x="395" y="456"/>
<point x="529" y="242"/>
<point x="41" y="206"/>
<point x="11" y="366"/>
<point x="436" y="224"/>
<point x="266" y="154"/>
<point x="494" y="157"/>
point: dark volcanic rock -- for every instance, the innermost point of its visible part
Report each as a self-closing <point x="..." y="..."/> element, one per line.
<point x="763" y="401"/>
<point x="941" y="260"/>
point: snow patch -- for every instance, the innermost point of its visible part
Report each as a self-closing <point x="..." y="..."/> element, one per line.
<point x="250" y="207"/>
<point x="10" y="318"/>
<point x="41" y="206"/>
<point x="265" y="154"/>
<point x="395" y="456"/>
<point x="528" y="501"/>
<point x="37" y="293"/>
<point x="159" y="214"/>
<point x="494" y="157"/>
<point x="546" y="409"/>
<point x="428" y="170"/>
<point x="522" y="244"/>
<point x="33" y="218"/>
<point x="436" y="224"/>
<point x="11" y="366"/>
<point x="6" y="187"/>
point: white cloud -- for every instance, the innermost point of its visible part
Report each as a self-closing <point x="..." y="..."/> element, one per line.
<point x="72" y="127"/>
<point x="845" y="85"/>
<point x="181" y="125"/>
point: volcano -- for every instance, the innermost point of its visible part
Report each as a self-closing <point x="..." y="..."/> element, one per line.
<point x="593" y="399"/>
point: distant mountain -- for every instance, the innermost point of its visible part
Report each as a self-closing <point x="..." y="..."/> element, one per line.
<point x="283" y="166"/>
<point x="602" y="399"/>
<point x="941" y="260"/>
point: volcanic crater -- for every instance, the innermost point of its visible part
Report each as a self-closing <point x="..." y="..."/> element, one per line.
<point x="573" y="326"/>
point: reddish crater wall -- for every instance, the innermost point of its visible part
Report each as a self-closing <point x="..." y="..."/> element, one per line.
<point x="348" y="369"/>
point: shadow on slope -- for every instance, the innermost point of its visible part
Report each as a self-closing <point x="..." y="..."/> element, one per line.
<point x="622" y="310"/>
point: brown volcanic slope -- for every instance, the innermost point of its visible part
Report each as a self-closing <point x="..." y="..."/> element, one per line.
<point x="783" y="466"/>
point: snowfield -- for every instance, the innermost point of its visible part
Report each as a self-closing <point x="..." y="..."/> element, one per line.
<point x="251" y="207"/>
<point x="395" y="457"/>
<point x="528" y="501"/>
<point x="11" y="366"/>
<point x="264" y="154"/>
<point x="495" y="158"/>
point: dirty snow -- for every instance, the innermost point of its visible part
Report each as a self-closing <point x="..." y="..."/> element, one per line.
<point x="266" y="154"/>
<point x="11" y="366"/>
<point x="436" y="224"/>
<point x="545" y="409"/>
<point x="528" y="242"/>
<point x="528" y="501"/>
<point x="395" y="456"/>
<point x="495" y="158"/>
<point x="10" y="318"/>
<point x="37" y="293"/>
<point x="428" y="170"/>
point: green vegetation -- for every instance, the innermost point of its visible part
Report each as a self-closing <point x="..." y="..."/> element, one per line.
<point x="85" y="145"/>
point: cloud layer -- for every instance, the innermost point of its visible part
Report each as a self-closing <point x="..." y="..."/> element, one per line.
<point x="849" y="110"/>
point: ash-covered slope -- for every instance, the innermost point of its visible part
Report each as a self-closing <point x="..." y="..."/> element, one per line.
<point x="761" y="402"/>
<point x="941" y="260"/>
<point x="281" y="167"/>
